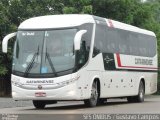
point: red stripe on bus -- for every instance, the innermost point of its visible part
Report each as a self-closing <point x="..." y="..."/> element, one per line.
<point x="120" y="65"/>
<point x="118" y="60"/>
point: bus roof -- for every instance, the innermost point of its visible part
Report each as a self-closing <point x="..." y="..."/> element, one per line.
<point x="71" y="20"/>
<point x="56" y="21"/>
<point x="128" y="27"/>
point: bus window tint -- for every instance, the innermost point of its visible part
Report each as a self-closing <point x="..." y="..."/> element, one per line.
<point x="87" y="36"/>
<point x="113" y="40"/>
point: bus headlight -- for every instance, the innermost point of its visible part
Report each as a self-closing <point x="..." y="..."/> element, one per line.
<point x="67" y="82"/>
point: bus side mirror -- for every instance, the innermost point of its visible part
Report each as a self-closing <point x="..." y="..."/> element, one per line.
<point x="5" y="41"/>
<point x="77" y="39"/>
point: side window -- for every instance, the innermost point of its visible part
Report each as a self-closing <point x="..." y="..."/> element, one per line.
<point x="142" y="45"/>
<point x="133" y="44"/>
<point x="123" y="43"/>
<point x="99" y="40"/>
<point x="83" y="53"/>
<point x="87" y="36"/>
<point x="112" y="40"/>
<point x="150" y="45"/>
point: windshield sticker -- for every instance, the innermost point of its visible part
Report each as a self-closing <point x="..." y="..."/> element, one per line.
<point x="44" y="70"/>
<point x="28" y="34"/>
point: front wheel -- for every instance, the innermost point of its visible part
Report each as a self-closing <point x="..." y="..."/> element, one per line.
<point x="92" y="102"/>
<point x="39" y="104"/>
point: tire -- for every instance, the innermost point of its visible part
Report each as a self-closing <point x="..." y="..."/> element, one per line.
<point x="131" y="99"/>
<point x="140" y="97"/>
<point x="92" y="102"/>
<point x="39" y="104"/>
<point x="102" y="101"/>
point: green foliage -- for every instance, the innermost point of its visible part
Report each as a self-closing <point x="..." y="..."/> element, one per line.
<point x="78" y="6"/>
<point x="69" y="10"/>
<point x="3" y="70"/>
<point x="13" y="12"/>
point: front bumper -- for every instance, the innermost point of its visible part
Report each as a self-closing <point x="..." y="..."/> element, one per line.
<point x="68" y="92"/>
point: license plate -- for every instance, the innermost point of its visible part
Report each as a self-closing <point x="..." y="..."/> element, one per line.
<point x="40" y="94"/>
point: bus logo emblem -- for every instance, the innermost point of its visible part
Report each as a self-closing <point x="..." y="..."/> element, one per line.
<point x="39" y="87"/>
<point x="107" y="59"/>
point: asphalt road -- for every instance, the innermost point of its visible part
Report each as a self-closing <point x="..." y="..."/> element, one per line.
<point x="69" y="110"/>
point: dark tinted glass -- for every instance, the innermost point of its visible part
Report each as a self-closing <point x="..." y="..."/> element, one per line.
<point x="86" y="38"/>
<point x="112" y="40"/>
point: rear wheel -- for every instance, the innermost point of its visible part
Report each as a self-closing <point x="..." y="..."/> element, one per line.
<point x="130" y="99"/>
<point x="92" y="102"/>
<point x="102" y="101"/>
<point x="39" y="104"/>
<point x="140" y="96"/>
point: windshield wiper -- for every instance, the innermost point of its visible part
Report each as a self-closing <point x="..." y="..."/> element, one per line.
<point x="30" y="65"/>
<point x="50" y="62"/>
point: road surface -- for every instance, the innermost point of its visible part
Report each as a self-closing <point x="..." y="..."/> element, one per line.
<point x="69" y="110"/>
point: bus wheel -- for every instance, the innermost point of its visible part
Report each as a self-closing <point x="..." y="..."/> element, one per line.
<point x="92" y="102"/>
<point x="131" y="99"/>
<point x="102" y="101"/>
<point x="39" y="104"/>
<point x="140" y="96"/>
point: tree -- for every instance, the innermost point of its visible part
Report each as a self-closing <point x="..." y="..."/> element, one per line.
<point x="78" y="6"/>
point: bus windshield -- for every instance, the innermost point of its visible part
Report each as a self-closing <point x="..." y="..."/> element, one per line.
<point x="42" y="53"/>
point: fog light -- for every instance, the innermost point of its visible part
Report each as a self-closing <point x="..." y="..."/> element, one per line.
<point x="71" y="92"/>
<point x="14" y="93"/>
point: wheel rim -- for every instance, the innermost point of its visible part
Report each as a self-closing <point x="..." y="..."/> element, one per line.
<point x="141" y="92"/>
<point x="94" y="93"/>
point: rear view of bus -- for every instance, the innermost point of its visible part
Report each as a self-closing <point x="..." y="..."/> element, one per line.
<point x="63" y="57"/>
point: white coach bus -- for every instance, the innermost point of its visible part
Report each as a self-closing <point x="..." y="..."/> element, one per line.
<point x="81" y="57"/>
